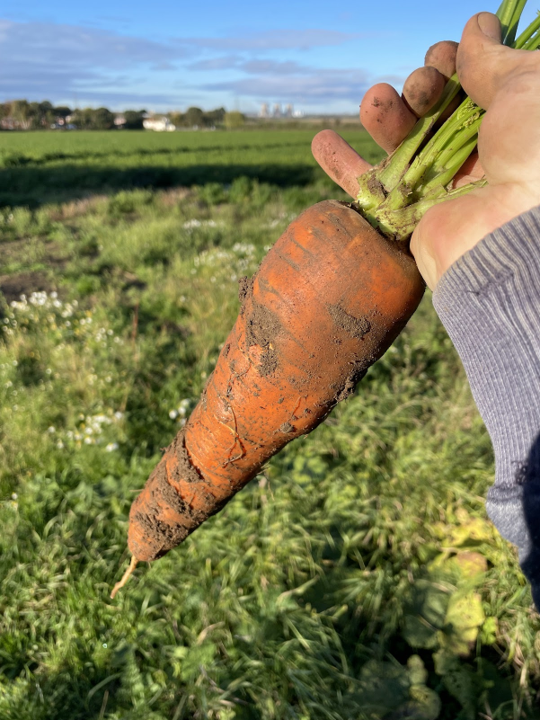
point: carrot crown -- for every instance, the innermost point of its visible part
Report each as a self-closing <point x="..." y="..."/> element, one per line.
<point x="395" y="195"/>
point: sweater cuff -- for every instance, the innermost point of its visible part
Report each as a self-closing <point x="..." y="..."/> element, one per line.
<point x="489" y="303"/>
<point x="500" y="255"/>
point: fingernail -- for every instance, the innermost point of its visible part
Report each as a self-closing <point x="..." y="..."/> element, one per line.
<point x="489" y="24"/>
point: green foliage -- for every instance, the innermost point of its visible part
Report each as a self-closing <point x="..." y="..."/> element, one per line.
<point x="124" y="203"/>
<point x="133" y="119"/>
<point x="25" y="115"/>
<point x="93" y="119"/>
<point x="234" y="120"/>
<point x="356" y="577"/>
<point x="195" y="117"/>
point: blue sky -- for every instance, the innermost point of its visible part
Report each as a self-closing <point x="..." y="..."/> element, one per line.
<point x="319" y="56"/>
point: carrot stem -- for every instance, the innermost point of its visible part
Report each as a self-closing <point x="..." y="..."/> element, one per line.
<point x="448" y="167"/>
<point x="530" y="39"/>
<point x="509" y="14"/>
<point x="402" y="157"/>
<point x="405" y="220"/>
<point x="125" y="577"/>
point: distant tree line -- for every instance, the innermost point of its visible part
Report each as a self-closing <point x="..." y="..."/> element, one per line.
<point x="24" y="115"/>
<point x="103" y="119"/>
<point x="195" y="117"/>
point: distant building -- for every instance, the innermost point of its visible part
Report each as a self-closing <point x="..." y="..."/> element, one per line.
<point x="277" y="110"/>
<point x="119" y="120"/>
<point x="289" y="110"/>
<point x="158" y="124"/>
<point x="264" y="112"/>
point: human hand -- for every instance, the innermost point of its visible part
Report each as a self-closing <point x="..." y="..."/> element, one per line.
<point x="506" y="82"/>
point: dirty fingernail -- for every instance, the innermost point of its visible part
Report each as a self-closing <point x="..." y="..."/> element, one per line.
<point x="489" y="24"/>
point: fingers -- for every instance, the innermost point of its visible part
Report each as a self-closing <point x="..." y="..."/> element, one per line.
<point x="470" y="171"/>
<point x="483" y="64"/>
<point x="442" y="56"/>
<point x="385" y="116"/>
<point x="389" y="118"/>
<point x="338" y="160"/>
<point x="422" y="89"/>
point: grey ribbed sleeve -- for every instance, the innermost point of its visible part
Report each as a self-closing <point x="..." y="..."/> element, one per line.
<point x="489" y="302"/>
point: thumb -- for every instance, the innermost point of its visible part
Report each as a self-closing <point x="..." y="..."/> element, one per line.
<point x="483" y="63"/>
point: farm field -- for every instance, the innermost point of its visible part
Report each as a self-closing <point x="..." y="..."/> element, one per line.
<point x="41" y="166"/>
<point x="356" y="578"/>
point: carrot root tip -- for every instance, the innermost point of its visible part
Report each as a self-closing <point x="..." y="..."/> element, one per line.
<point x="125" y="577"/>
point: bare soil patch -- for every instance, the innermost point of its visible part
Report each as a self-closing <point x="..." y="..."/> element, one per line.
<point x="25" y="283"/>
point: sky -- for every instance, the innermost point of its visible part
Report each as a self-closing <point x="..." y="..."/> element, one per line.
<point x="161" y="55"/>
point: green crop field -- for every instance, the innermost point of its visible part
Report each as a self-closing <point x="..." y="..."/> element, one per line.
<point x="357" y="577"/>
<point x="37" y="167"/>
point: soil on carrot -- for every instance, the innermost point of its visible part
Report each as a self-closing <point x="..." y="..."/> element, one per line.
<point x="351" y="382"/>
<point x="164" y="494"/>
<point x="154" y="530"/>
<point x="185" y="468"/>
<point x="262" y="327"/>
<point x="356" y="327"/>
<point x="245" y="289"/>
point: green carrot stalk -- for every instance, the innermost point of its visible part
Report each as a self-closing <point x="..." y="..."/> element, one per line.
<point x="530" y="38"/>
<point x="407" y="218"/>
<point x="509" y="14"/>
<point x="418" y="175"/>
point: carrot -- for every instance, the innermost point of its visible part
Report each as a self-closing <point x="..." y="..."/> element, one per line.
<point x="327" y="301"/>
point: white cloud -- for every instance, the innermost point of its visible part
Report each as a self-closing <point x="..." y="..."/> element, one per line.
<point x="287" y="81"/>
<point x="256" y="66"/>
<point x="310" y="86"/>
<point x="62" y="45"/>
<point x="276" y="40"/>
<point x="48" y="60"/>
<point x="89" y="65"/>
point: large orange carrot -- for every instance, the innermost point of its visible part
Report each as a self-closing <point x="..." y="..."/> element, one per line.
<point x="327" y="301"/>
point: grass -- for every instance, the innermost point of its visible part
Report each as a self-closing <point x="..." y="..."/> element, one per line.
<point x="356" y="578"/>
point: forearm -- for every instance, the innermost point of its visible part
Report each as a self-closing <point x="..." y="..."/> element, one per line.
<point x="489" y="302"/>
